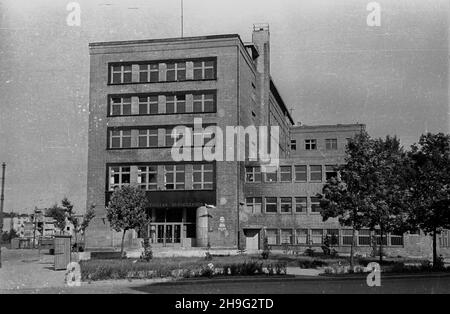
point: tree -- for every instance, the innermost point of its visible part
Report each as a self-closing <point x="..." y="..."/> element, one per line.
<point x="127" y="210"/>
<point x="385" y="188"/>
<point x="345" y="197"/>
<point x="59" y="215"/>
<point x="429" y="181"/>
<point x="78" y="226"/>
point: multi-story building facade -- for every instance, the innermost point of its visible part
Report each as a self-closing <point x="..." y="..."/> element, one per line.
<point x="141" y="90"/>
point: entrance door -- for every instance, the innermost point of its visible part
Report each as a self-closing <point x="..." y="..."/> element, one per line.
<point x="168" y="233"/>
<point x="251" y="239"/>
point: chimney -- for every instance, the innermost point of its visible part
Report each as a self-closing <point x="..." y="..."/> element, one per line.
<point x="261" y="39"/>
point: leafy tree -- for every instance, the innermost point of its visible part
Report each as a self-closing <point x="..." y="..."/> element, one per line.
<point x="78" y="226"/>
<point x="345" y="197"/>
<point x="386" y="188"/>
<point x="429" y="181"/>
<point x="127" y="210"/>
<point x="59" y="215"/>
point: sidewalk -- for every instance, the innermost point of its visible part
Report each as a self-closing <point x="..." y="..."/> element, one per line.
<point x="27" y="269"/>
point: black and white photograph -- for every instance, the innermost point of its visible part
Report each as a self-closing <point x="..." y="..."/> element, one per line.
<point x="221" y="155"/>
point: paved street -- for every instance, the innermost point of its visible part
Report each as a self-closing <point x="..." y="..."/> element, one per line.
<point x="416" y="284"/>
<point x="296" y="286"/>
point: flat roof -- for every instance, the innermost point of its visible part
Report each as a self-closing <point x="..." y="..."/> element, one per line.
<point x="280" y="100"/>
<point x="163" y="40"/>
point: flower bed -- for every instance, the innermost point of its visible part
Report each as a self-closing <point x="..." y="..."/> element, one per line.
<point x="135" y="269"/>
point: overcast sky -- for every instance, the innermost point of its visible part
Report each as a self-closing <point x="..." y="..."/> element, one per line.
<point x="328" y="64"/>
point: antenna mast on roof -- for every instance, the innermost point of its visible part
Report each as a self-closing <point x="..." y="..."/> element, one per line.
<point x="182" y="9"/>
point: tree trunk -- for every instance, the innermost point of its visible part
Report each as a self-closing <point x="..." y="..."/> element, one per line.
<point x="351" y="247"/>
<point x="76" y="244"/>
<point x="381" y="245"/>
<point x="121" y="245"/>
<point x="434" y="249"/>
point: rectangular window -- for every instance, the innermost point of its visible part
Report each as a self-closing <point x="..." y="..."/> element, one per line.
<point x="202" y="177"/>
<point x="286" y="173"/>
<point x="364" y="237"/>
<point x="397" y="239"/>
<point x="272" y="236"/>
<point x="176" y="104"/>
<point x="254" y="204"/>
<point x="286" y="204"/>
<point x="271" y="204"/>
<point x="120" y="139"/>
<point x="315" y="173"/>
<point x="300" y="205"/>
<point x="300" y="173"/>
<point x="118" y="177"/>
<point x="176" y="71"/>
<point x="315" y="205"/>
<point x="172" y="138"/>
<point x="148" y="105"/>
<point x="253" y="174"/>
<point x="301" y="236"/>
<point x="378" y="237"/>
<point x="316" y="236"/>
<point x="149" y="73"/>
<point x="148" y="138"/>
<point x="120" y="106"/>
<point x="331" y="144"/>
<point x="330" y="171"/>
<point x="147" y="177"/>
<point x="293" y="145"/>
<point x="174" y="177"/>
<point x="287" y="236"/>
<point x="443" y="239"/>
<point x="311" y="144"/>
<point x="271" y="174"/>
<point x="347" y="236"/>
<point x="120" y="74"/>
<point x="202" y="137"/>
<point x="204" y="103"/>
<point x="204" y="70"/>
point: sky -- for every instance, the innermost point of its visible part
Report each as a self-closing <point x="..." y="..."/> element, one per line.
<point x="328" y="64"/>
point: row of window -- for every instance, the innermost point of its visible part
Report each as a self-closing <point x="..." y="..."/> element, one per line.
<point x="300" y="204"/>
<point x="336" y="237"/>
<point x="174" y="177"/>
<point x="164" y="71"/>
<point x="311" y="144"/>
<point x="153" y="137"/>
<point x="297" y="173"/>
<point x="201" y="102"/>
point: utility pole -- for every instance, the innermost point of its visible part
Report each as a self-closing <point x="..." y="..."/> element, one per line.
<point x="2" y="198"/>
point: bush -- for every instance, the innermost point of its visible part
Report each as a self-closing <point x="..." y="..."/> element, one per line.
<point x="266" y="249"/>
<point x="311" y="264"/>
<point x="440" y="263"/>
<point x="251" y="268"/>
<point x="280" y="268"/>
<point x="309" y="252"/>
<point x="270" y="269"/>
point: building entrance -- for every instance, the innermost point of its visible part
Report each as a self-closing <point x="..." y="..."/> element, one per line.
<point x="172" y="226"/>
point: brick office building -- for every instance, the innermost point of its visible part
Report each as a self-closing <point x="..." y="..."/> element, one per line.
<point x="141" y="90"/>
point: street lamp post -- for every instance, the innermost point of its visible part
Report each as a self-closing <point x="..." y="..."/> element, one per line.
<point x="2" y="198"/>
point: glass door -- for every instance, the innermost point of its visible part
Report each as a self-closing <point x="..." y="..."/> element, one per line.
<point x="169" y="233"/>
